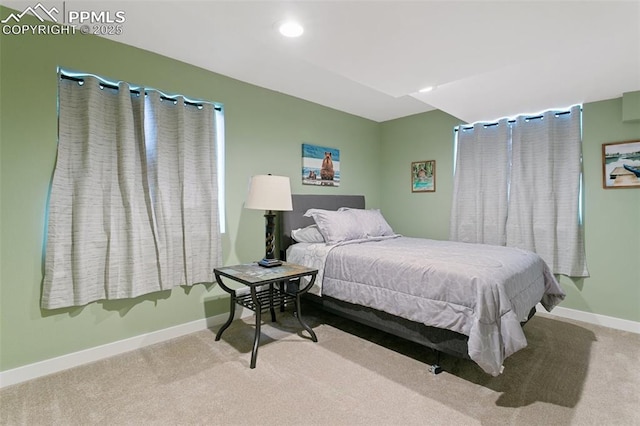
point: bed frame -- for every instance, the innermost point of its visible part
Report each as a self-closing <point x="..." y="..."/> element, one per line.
<point x="440" y="340"/>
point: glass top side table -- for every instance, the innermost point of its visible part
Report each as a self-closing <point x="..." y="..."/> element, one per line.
<point x="268" y="288"/>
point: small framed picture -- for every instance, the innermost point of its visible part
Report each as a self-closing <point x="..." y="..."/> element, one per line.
<point x="423" y="176"/>
<point x="621" y="165"/>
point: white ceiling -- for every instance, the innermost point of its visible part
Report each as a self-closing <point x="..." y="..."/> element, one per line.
<point x="487" y="59"/>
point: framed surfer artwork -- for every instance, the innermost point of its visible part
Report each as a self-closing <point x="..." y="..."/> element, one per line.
<point x="621" y="165"/>
<point x="423" y="176"/>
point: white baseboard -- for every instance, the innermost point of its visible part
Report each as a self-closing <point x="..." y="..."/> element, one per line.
<point x="591" y="318"/>
<point x="53" y="365"/>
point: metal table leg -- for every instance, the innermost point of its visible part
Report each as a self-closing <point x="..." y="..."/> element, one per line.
<point x="298" y="311"/>
<point x="271" y="308"/>
<point x="232" y="307"/>
<point x="232" y="311"/>
<point x="302" y="323"/>
<point x="256" y="338"/>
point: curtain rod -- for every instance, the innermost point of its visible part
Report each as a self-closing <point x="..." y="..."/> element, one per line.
<point x="536" y="117"/>
<point x="137" y="92"/>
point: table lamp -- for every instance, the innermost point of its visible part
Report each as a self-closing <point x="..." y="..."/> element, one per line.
<point x="269" y="193"/>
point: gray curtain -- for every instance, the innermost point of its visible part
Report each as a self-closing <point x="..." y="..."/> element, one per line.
<point x="479" y="210"/>
<point x="518" y="184"/>
<point x="185" y="192"/>
<point x="121" y="223"/>
<point x="544" y="204"/>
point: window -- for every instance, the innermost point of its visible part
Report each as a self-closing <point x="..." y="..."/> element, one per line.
<point x="135" y="202"/>
<point x="518" y="183"/>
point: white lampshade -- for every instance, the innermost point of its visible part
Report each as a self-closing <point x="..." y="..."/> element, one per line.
<point x="268" y="192"/>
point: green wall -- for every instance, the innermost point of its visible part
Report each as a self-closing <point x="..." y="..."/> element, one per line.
<point x="611" y="216"/>
<point x="264" y="133"/>
<point x="427" y="136"/>
<point x="612" y="223"/>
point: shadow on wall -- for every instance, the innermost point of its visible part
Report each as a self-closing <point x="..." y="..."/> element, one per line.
<point x="250" y="236"/>
<point x="578" y="282"/>
<point x="124" y="306"/>
<point x="217" y="305"/>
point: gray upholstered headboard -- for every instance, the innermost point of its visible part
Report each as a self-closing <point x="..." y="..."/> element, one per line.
<point x="301" y="203"/>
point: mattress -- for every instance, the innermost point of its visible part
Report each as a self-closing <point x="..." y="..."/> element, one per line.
<point x="481" y="291"/>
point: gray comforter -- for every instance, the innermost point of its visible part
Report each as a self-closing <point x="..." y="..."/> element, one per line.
<point x="481" y="291"/>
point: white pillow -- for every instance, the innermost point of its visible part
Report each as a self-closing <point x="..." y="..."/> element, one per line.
<point x="336" y="226"/>
<point x="309" y="234"/>
<point x="371" y="221"/>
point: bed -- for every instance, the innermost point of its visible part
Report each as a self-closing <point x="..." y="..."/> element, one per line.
<point x="466" y="300"/>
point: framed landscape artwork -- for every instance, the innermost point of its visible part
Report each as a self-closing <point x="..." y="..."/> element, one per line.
<point x="423" y="176"/>
<point x="621" y="165"/>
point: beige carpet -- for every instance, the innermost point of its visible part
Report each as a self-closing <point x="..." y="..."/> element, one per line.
<point x="571" y="373"/>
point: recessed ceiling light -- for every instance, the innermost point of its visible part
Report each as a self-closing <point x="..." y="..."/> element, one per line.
<point x="291" y="29"/>
<point x="426" y="89"/>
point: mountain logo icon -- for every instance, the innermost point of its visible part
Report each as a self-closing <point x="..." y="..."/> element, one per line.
<point x="39" y="11"/>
